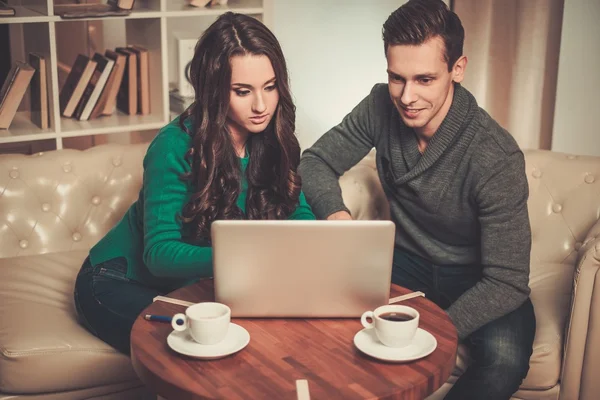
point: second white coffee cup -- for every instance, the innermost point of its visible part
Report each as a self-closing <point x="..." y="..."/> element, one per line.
<point x="395" y="325"/>
<point x="207" y="323"/>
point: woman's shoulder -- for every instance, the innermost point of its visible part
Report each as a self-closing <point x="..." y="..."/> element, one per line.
<point x="171" y="138"/>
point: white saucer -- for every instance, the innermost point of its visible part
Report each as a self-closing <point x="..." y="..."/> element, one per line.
<point x="237" y="338"/>
<point x="423" y="344"/>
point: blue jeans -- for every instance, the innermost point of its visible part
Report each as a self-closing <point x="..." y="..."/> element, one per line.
<point x="500" y="350"/>
<point x="108" y="303"/>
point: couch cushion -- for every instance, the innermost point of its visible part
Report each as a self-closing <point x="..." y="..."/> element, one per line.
<point x="551" y="285"/>
<point x="550" y="294"/>
<point x="65" y="200"/>
<point x="39" y="333"/>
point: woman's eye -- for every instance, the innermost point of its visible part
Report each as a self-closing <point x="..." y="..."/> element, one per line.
<point x="242" y="92"/>
<point x="270" y="88"/>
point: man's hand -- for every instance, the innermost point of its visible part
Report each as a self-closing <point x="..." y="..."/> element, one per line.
<point x="340" y="215"/>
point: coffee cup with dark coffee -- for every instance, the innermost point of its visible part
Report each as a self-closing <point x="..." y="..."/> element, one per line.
<point x="395" y="325"/>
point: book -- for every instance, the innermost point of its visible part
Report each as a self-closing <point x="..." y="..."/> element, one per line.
<point x="12" y="92"/>
<point x="10" y="78"/>
<point x="6" y="11"/>
<point x="206" y="3"/>
<point x="39" y="91"/>
<point x="75" y="85"/>
<point x="127" y="96"/>
<point x="122" y="4"/>
<point x="107" y="102"/>
<point x="5" y="62"/>
<point x="143" y="75"/>
<point x="85" y="10"/>
<point x="198" y="3"/>
<point x="94" y="87"/>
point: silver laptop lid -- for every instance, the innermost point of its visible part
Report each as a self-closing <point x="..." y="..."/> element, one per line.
<point x="302" y="268"/>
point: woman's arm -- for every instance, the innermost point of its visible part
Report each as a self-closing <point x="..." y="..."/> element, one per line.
<point x="164" y="195"/>
<point x="303" y="211"/>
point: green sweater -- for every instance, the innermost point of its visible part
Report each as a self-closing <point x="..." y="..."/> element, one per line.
<point x="149" y="235"/>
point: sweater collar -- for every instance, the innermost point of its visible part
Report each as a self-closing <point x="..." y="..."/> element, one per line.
<point x="461" y="112"/>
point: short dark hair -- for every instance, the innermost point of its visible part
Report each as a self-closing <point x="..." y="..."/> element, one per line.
<point x="420" y="20"/>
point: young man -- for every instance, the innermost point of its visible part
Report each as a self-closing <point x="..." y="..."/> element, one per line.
<point x="456" y="184"/>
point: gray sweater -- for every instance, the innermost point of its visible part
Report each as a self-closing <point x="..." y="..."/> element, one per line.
<point x="463" y="201"/>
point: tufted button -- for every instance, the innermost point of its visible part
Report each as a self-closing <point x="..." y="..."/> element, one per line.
<point x="589" y="178"/>
<point x="96" y="200"/>
<point x="556" y="208"/>
<point x="76" y="236"/>
<point x="14" y="174"/>
<point x="67" y="167"/>
<point x="116" y="161"/>
<point x="23" y="244"/>
<point x="46" y="207"/>
<point x="536" y="173"/>
<point x="578" y="245"/>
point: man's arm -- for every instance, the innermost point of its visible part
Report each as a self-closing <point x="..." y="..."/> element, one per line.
<point x="340" y="215"/>
<point x="505" y="249"/>
<point x="334" y="153"/>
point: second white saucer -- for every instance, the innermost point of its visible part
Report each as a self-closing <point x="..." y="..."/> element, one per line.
<point x="237" y="338"/>
<point x="423" y="344"/>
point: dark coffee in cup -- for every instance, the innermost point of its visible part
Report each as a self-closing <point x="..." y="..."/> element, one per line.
<point x="396" y="316"/>
<point x="394" y="325"/>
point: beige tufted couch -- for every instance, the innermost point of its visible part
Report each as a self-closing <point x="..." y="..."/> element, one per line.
<point x="54" y="206"/>
<point x="564" y="210"/>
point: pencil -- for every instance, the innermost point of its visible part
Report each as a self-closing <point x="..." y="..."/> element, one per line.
<point x="161" y="318"/>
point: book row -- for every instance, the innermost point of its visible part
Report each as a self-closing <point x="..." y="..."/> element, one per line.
<point x="98" y="85"/>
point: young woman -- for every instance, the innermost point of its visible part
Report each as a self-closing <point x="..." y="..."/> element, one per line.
<point x="232" y="155"/>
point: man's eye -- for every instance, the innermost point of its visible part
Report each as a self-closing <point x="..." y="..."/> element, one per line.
<point x="242" y="92"/>
<point x="426" y="80"/>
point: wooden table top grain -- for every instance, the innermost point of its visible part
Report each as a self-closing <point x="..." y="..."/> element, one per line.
<point x="284" y="350"/>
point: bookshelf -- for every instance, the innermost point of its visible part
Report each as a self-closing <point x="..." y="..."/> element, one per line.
<point x="153" y="24"/>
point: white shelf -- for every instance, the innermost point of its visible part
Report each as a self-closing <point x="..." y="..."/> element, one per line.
<point x="175" y="7"/>
<point x="138" y="14"/>
<point x="118" y="122"/>
<point x="25" y="15"/>
<point x="23" y="130"/>
<point x="151" y="24"/>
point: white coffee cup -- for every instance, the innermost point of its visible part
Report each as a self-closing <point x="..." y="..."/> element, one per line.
<point x="395" y="325"/>
<point x="207" y="323"/>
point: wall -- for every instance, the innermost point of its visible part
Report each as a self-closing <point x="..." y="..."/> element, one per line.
<point x="576" y="118"/>
<point x="335" y="55"/>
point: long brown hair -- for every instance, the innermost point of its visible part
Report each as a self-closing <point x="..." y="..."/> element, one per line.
<point x="273" y="182"/>
<point x="420" y="20"/>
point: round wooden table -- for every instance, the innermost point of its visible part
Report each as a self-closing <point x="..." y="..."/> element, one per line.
<point x="284" y="350"/>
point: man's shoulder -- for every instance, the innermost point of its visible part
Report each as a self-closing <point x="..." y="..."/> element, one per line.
<point x="493" y="143"/>
<point x="380" y="94"/>
<point x="380" y="104"/>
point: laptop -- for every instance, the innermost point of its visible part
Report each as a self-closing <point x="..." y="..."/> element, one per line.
<point x="302" y="268"/>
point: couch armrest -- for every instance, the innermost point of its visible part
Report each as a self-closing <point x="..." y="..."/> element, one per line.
<point x="362" y="191"/>
<point x="582" y="345"/>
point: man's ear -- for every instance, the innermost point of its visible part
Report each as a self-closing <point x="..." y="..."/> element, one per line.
<point x="458" y="71"/>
